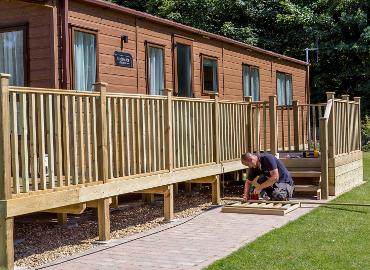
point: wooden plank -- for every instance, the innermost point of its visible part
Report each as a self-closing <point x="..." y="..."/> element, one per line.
<point x="143" y="133"/>
<point x="122" y="136"/>
<point x="81" y="141"/>
<point x="24" y="143"/>
<point x="264" y="127"/>
<point x="150" y="113"/>
<point x="133" y="136"/>
<point x="58" y="141"/>
<point x="163" y="145"/>
<point x="33" y="142"/>
<point x="138" y="128"/>
<point x="127" y="138"/>
<point x="109" y="138"/>
<point x="75" y="165"/>
<point x="41" y="140"/>
<point x="66" y="146"/>
<point x="93" y="119"/>
<point x="88" y="136"/>
<point x="50" y="140"/>
<point x="115" y="143"/>
<point x="14" y="141"/>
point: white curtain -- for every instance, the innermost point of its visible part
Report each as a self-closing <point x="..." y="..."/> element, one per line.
<point x="289" y="90"/>
<point x="156" y="71"/>
<point x="84" y="61"/>
<point x="280" y="83"/>
<point x="246" y="77"/>
<point x="255" y="83"/>
<point x="12" y="56"/>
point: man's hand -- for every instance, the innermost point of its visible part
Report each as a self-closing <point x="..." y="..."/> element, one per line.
<point x="245" y="197"/>
<point x="257" y="190"/>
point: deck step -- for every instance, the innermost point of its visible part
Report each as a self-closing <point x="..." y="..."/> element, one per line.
<point x="305" y="174"/>
<point x="307" y="188"/>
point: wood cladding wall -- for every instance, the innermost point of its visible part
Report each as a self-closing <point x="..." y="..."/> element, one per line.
<point x="41" y="22"/>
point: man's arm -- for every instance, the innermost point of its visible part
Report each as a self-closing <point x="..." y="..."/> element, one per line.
<point x="246" y="190"/>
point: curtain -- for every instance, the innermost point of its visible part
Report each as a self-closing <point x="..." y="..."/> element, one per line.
<point x="84" y="61"/>
<point x="12" y="56"/>
<point x="210" y="78"/>
<point x="246" y="80"/>
<point x="255" y="83"/>
<point x="280" y="84"/>
<point x="184" y="75"/>
<point x="289" y="90"/>
<point x="156" y="71"/>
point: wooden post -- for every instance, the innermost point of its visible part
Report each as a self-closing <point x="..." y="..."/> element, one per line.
<point x="273" y="126"/>
<point x="248" y="99"/>
<point x="216" y="197"/>
<point x="324" y="158"/>
<point x="216" y="129"/>
<point x="296" y="125"/>
<point x="6" y="224"/>
<point x="168" y="204"/>
<point x="331" y="126"/>
<point x="358" y="100"/>
<point x="62" y="218"/>
<point x="104" y="219"/>
<point x="347" y="129"/>
<point x="102" y="132"/>
<point x="168" y="131"/>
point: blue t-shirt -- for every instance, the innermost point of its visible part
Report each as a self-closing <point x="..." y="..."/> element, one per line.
<point x="268" y="163"/>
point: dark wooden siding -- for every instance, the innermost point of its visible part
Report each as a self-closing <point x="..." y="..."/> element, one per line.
<point x="42" y="71"/>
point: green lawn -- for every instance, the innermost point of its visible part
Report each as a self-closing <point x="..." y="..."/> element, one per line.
<point x="330" y="237"/>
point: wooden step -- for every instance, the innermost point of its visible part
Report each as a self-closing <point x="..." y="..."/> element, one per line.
<point x="309" y="188"/>
<point x="306" y="188"/>
<point x="305" y="174"/>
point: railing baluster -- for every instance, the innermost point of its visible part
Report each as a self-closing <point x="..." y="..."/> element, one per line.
<point x="81" y="140"/>
<point x="94" y="139"/>
<point x="58" y="141"/>
<point x="74" y="142"/>
<point x="66" y="146"/>
<point x="14" y="137"/>
<point x="24" y="143"/>
<point x="33" y="142"/>
<point x="88" y="139"/>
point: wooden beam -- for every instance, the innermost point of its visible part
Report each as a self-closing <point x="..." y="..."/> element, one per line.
<point x="115" y="202"/>
<point x="70" y="209"/>
<point x="104" y="220"/>
<point x="168" y="204"/>
<point x="6" y="224"/>
<point x="273" y="126"/>
<point x="27" y="203"/>
<point x="203" y="180"/>
<point x="324" y="158"/>
<point x="102" y="132"/>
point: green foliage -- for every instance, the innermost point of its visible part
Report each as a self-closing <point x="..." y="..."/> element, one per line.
<point x="341" y="28"/>
<point x="365" y="132"/>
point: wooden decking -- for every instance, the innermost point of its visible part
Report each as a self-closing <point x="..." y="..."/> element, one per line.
<point x="62" y="151"/>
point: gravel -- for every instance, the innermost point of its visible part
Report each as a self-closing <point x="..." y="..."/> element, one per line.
<point x="39" y="239"/>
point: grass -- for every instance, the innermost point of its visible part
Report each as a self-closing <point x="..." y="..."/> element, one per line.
<point x="329" y="237"/>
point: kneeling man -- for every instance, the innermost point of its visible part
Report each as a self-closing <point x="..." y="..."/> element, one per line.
<point x="274" y="178"/>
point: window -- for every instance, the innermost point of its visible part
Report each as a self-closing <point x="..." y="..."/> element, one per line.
<point x="155" y="69"/>
<point x="209" y="74"/>
<point x="251" y="82"/>
<point x="284" y="89"/>
<point x="84" y="59"/>
<point x="183" y="57"/>
<point x="13" y="54"/>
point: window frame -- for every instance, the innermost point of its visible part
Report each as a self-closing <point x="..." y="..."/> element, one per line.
<point x="26" y="62"/>
<point x="186" y="41"/>
<point x="208" y="92"/>
<point x="250" y="67"/>
<point x="95" y="32"/>
<point x="285" y="90"/>
<point x="149" y="45"/>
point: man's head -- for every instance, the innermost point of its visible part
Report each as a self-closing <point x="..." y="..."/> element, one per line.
<point x="250" y="160"/>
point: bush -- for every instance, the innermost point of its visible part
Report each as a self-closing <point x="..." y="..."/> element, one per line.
<point x="365" y="133"/>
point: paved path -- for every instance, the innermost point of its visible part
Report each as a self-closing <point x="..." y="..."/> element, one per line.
<point x="186" y="244"/>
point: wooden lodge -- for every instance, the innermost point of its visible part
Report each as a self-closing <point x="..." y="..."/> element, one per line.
<point x="97" y="100"/>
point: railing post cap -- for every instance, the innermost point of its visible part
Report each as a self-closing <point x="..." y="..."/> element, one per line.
<point x="247" y="98"/>
<point x="330" y="93"/>
<point x="101" y="83"/>
<point x="356" y="98"/>
<point x="5" y="75"/>
<point x="346" y="97"/>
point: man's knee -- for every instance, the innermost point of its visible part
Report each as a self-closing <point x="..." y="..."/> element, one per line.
<point x="279" y="195"/>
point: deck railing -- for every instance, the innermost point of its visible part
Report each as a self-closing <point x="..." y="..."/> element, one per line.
<point x="61" y="138"/>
